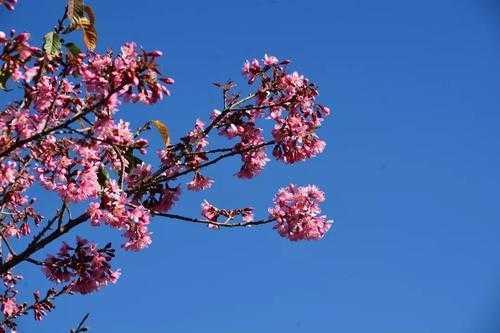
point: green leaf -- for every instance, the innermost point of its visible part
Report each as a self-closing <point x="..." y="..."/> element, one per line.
<point x="4" y="77"/>
<point x="132" y="160"/>
<point x="52" y="44"/>
<point x="102" y="176"/>
<point x="75" y="50"/>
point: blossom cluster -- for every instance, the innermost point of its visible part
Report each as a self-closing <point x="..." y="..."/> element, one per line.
<point x="17" y="51"/>
<point x="296" y="210"/>
<point x="85" y="267"/>
<point x="70" y="165"/>
<point x="287" y="99"/>
<point x="117" y="211"/>
<point x="64" y="137"/>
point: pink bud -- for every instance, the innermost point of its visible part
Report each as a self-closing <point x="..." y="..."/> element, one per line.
<point x="167" y="80"/>
<point x="156" y="53"/>
<point x="23" y="37"/>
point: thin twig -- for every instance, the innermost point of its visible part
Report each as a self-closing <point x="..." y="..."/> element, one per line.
<point x="80" y="327"/>
<point x="217" y="224"/>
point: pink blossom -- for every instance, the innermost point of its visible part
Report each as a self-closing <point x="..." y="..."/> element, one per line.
<point x="95" y="213"/>
<point x="138" y="235"/>
<point x="209" y="211"/>
<point x="86" y="267"/>
<point x="251" y="69"/>
<point x="84" y="186"/>
<point x="64" y="135"/>
<point x="9" y="306"/>
<point x="139" y="173"/>
<point x="254" y="160"/>
<point x="30" y="72"/>
<point x="296" y="140"/>
<point x="247" y="215"/>
<point x="270" y="60"/>
<point x="296" y="211"/>
<point x="167" y="199"/>
<point x="197" y="136"/>
<point x="200" y="182"/>
<point x="111" y="132"/>
<point x="8" y="174"/>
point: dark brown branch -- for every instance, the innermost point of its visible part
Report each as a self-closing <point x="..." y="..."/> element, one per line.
<point x="217" y="224"/>
<point x="217" y="159"/>
<point x="80" y="327"/>
<point x="36" y="246"/>
<point x="224" y="113"/>
<point x="59" y="215"/>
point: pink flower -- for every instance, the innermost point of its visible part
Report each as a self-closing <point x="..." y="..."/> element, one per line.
<point x="138" y="236"/>
<point x="251" y="70"/>
<point x="254" y="160"/>
<point x="168" y="197"/>
<point x="30" y="73"/>
<point x="270" y="60"/>
<point x="109" y="131"/>
<point x="84" y="186"/>
<point x="247" y="215"/>
<point x="8" y="174"/>
<point x="296" y="211"/>
<point x="200" y="182"/>
<point x="86" y="267"/>
<point x="9" y="307"/>
<point x="197" y="136"/>
<point x="95" y="213"/>
<point x="139" y="173"/>
<point x="209" y="211"/>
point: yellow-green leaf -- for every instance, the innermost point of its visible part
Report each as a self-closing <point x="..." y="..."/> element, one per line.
<point x="52" y="44"/>
<point x="163" y="130"/>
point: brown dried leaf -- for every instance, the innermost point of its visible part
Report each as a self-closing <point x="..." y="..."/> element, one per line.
<point x="90" y="14"/>
<point x="90" y="37"/>
<point x="75" y="9"/>
<point x="163" y="130"/>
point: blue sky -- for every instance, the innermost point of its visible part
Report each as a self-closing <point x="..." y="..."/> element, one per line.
<point x="410" y="171"/>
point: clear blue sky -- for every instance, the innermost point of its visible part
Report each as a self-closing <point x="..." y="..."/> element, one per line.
<point x="411" y="171"/>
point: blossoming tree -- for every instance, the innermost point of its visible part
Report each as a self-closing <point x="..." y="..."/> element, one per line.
<point x="61" y="132"/>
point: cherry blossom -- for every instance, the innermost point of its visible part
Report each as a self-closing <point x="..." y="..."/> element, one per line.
<point x="85" y="268"/>
<point x="296" y="210"/>
<point x="66" y="137"/>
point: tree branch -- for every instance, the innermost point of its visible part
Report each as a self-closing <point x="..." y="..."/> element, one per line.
<point x="217" y="159"/>
<point x="217" y="224"/>
<point x="36" y="246"/>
